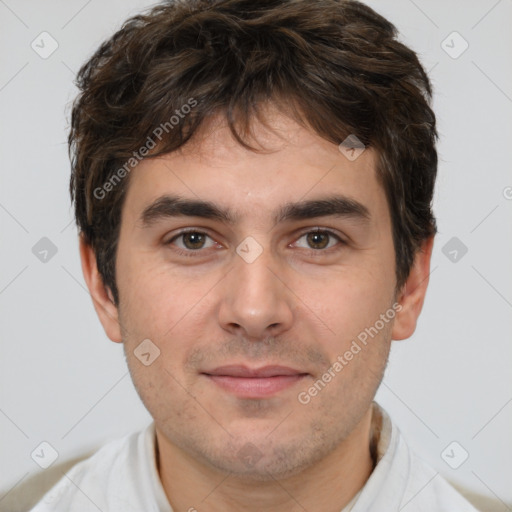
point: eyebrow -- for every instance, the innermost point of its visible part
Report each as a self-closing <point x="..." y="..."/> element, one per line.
<point x="168" y="206"/>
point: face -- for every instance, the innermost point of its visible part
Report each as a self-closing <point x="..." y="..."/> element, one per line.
<point x="257" y="304"/>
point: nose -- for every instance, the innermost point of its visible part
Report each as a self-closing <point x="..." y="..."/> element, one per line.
<point x="256" y="302"/>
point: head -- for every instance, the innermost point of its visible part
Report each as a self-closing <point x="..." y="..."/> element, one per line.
<point x="224" y="119"/>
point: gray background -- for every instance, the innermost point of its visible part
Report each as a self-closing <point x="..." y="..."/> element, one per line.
<point x="64" y="382"/>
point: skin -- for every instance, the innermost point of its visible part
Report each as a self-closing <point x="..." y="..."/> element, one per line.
<point x="288" y="307"/>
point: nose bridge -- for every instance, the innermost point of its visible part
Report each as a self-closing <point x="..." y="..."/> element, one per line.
<point x="254" y="296"/>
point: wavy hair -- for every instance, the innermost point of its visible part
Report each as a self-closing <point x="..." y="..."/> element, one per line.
<point x="336" y="66"/>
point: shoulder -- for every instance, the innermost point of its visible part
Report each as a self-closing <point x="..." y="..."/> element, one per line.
<point x="103" y="480"/>
<point x="425" y="488"/>
<point x="402" y="481"/>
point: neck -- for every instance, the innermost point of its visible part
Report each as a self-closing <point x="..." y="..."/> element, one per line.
<point x="328" y="485"/>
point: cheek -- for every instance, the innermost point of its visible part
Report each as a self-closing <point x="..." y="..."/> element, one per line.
<point x="173" y="309"/>
<point x="347" y="303"/>
<point x="163" y="391"/>
<point x="153" y="295"/>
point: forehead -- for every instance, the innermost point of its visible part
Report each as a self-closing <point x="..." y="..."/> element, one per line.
<point x="294" y="164"/>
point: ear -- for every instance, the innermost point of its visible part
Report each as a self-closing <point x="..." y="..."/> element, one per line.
<point x="101" y="295"/>
<point x="412" y="294"/>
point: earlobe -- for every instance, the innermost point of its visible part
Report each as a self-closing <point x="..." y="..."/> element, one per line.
<point x="412" y="295"/>
<point x="101" y="295"/>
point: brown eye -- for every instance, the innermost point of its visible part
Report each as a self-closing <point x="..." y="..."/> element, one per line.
<point x="188" y="242"/>
<point x="193" y="240"/>
<point x="320" y="240"/>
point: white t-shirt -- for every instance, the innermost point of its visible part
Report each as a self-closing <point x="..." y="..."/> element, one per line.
<point x="123" y="477"/>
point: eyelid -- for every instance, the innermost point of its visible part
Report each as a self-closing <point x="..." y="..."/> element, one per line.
<point x="304" y="231"/>
<point x="184" y="231"/>
<point x="319" y="229"/>
<point x="332" y="233"/>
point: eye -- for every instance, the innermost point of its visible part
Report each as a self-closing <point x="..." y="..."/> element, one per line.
<point x="192" y="241"/>
<point x="188" y="242"/>
<point x="319" y="240"/>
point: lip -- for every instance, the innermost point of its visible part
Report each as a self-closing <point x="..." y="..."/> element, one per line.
<point x="238" y="370"/>
<point x="247" y="382"/>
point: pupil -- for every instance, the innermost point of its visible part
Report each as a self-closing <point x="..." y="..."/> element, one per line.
<point x="194" y="238"/>
<point x="314" y="239"/>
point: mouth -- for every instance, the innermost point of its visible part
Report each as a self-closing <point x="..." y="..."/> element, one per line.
<point x="247" y="382"/>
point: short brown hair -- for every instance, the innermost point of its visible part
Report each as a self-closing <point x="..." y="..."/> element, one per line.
<point x="335" y="64"/>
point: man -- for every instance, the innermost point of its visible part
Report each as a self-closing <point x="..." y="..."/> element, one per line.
<point x="253" y="185"/>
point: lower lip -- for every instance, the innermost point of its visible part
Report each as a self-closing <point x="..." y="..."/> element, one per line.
<point x="250" y="387"/>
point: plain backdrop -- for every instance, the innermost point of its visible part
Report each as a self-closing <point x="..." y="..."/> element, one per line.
<point x="63" y="382"/>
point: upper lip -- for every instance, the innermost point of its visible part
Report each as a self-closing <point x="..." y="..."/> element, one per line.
<point x="244" y="371"/>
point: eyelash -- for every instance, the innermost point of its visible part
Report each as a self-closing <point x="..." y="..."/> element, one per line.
<point x="314" y="252"/>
